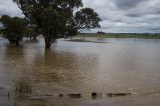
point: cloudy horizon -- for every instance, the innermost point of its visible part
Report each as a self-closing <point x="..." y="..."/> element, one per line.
<point x="119" y="16"/>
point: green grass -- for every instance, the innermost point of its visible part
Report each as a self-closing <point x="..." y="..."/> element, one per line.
<point x="118" y="35"/>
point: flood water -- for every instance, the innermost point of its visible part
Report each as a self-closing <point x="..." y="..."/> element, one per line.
<point x="114" y="66"/>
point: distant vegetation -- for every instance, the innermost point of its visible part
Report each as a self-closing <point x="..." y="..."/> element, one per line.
<point x="122" y="35"/>
<point x="100" y="32"/>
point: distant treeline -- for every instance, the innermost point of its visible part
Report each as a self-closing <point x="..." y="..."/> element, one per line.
<point x="123" y="35"/>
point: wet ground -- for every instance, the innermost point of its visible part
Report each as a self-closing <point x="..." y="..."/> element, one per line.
<point x="94" y="72"/>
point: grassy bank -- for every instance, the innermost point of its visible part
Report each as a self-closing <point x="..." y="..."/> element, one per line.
<point x="123" y="35"/>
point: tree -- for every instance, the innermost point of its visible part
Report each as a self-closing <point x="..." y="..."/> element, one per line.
<point x="86" y="18"/>
<point x="13" y="28"/>
<point x="58" y="18"/>
<point x="31" y="32"/>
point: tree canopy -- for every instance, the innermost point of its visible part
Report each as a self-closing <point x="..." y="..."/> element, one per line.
<point x="13" y="28"/>
<point x="58" y="18"/>
<point x="86" y="18"/>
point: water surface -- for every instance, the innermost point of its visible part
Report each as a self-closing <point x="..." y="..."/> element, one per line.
<point x="119" y="65"/>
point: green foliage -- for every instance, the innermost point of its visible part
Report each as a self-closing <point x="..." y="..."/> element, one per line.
<point x="52" y="22"/>
<point x="13" y="28"/>
<point x="56" y="18"/>
<point x="71" y="31"/>
<point x="86" y="18"/>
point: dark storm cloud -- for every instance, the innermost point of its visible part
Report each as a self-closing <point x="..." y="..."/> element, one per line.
<point x="133" y="15"/>
<point x="127" y="4"/>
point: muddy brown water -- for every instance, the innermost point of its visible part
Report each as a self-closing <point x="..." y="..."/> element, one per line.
<point x="117" y="66"/>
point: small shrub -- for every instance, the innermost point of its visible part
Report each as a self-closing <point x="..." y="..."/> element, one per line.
<point x="23" y="86"/>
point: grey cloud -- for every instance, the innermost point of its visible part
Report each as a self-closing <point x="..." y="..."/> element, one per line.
<point x="127" y="15"/>
<point x="7" y="7"/>
<point x="117" y="15"/>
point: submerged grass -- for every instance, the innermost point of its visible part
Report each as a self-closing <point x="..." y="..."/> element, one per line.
<point x="23" y="86"/>
<point x="84" y="40"/>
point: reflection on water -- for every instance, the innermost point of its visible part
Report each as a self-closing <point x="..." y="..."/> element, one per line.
<point x="122" y="65"/>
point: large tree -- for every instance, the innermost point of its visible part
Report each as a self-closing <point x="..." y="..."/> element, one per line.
<point x="13" y="28"/>
<point x="58" y="18"/>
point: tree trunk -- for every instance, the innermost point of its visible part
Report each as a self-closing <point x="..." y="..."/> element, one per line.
<point x="71" y="37"/>
<point x="47" y="42"/>
<point x="30" y="38"/>
<point x="17" y="43"/>
<point x="34" y="38"/>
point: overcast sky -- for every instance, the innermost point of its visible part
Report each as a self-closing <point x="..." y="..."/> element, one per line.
<point x="117" y="15"/>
